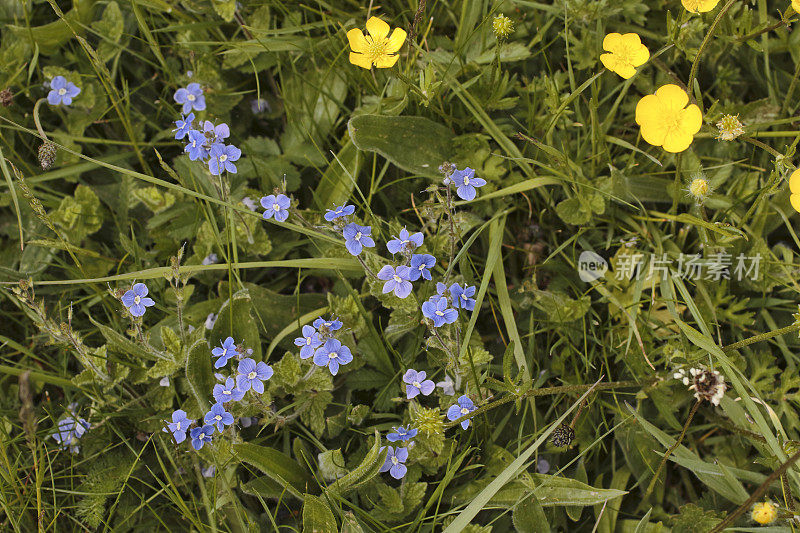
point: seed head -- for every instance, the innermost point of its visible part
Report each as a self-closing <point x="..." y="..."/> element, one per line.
<point x="47" y="155"/>
<point x="502" y="26"/>
<point x="707" y="384"/>
<point x="428" y="421"/>
<point x="6" y="97"/>
<point x="729" y="128"/>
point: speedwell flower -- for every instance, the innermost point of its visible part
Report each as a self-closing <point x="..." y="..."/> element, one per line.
<point x="464" y="406"/>
<point x="62" y="91"/>
<point x="219" y="416"/>
<point x="625" y="53"/>
<point x="401" y="434"/>
<point x="436" y="309"/>
<point x="225" y="351"/>
<point x="377" y="47"/>
<point x="326" y="326"/>
<point x="179" y="426"/>
<point x="200" y="436"/>
<point x="466" y="182"/>
<point x="221" y="157"/>
<point x="227" y="392"/>
<point x="332" y="354"/>
<point x="277" y="206"/>
<point x="340" y="211"/>
<point x="69" y="431"/>
<point x="196" y="148"/>
<point x="405" y="241"/>
<point x="397" y="280"/>
<point x="421" y="265"/>
<point x="394" y="462"/>
<point x="448" y="386"/>
<point x="462" y="296"/>
<point x="136" y="301"/>
<point x="191" y="97"/>
<point x="183" y="126"/>
<point x="357" y="238"/>
<point x="699" y="6"/>
<point x="794" y="187"/>
<point x="216" y="133"/>
<point x="665" y="119"/>
<point x="252" y="375"/>
<point x="309" y="342"/>
<point x="416" y="383"/>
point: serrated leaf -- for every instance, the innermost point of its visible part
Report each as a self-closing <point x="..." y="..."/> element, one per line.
<point x="415" y="144"/>
<point x="225" y="8"/>
<point x="277" y="466"/>
<point x="317" y="516"/>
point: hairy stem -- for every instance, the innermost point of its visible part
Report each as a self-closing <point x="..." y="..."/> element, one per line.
<point x="670" y="450"/>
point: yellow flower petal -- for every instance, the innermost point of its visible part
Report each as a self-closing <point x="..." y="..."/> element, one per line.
<point x="640" y="55"/>
<point x="631" y="40"/>
<point x="654" y="133"/>
<point x="361" y="60"/>
<point x="358" y="43"/>
<point x="377" y="29"/>
<point x="386" y="61"/>
<point x="613" y="41"/>
<point x="676" y="141"/>
<point x="648" y="110"/>
<point x="625" y="71"/>
<point x="396" y="40"/>
<point x="794" y="182"/>
<point x="796" y="5"/>
<point x="699" y="6"/>
<point x="795" y="201"/>
<point x="691" y="120"/>
<point x="672" y="96"/>
<point x="609" y="61"/>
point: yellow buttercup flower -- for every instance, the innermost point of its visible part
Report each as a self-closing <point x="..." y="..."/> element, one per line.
<point x="625" y="53"/>
<point x="796" y="5"/>
<point x="665" y="119"/>
<point x="377" y="48"/>
<point x="701" y="6"/>
<point x="794" y="187"/>
<point x="764" y="513"/>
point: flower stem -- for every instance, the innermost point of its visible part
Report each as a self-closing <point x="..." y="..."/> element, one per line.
<point x="36" y="119"/>
<point x="761" y="337"/>
<point x="696" y="62"/>
<point x="670" y="450"/>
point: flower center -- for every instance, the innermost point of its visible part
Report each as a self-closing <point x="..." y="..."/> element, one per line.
<point x="177" y="426"/>
<point x="217" y="418"/>
<point x="333" y="355"/>
<point x="226" y="392"/>
<point x="466" y="180"/>
<point x="439" y="313"/>
<point x="395" y="460"/>
<point x="397" y="278"/>
<point x="137" y="299"/>
<point x="464" y="411"/>
<point x="422" y="267"/>
<point x="308" y="340"/>
<point x="251" y="375"/>
<point x="276" y="207"/>
<point x="62" y="91"/>
<point x="358" y="236"/>
<point x="416" y="384"/>
<point x="376" y="49"/>
<point x="201" y="436"/>
<point x="222" y="158"/>
<point x="191" y="98"/>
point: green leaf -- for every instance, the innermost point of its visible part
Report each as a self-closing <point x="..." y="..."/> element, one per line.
<point x="277" y="466"/>
<point x="415" y="144"/>
<point x="317" y="516"/>
<point x="235" y="320"/>
<point x="225" y="8"/>
<point x="364" y="472"/>
<point x="199" y="374"/>
<point x="529" y="517"/>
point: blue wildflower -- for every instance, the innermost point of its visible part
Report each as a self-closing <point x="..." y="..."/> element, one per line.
<point x="466" y="182"/>
<point x="421" y="265"/>
<point x="401" y="434"/>
<point x="357" y="237"/>
<point x="62" y="91"/>
<point x="457" y="410"/>
<point x="225" y="351"/>
<point x="252" y="375"/>
<point x="310" y="341"/>
<point x="436" y="309"/>
<point x="219" y="416"/>
<point x="135" y="299"/>
<point x="405" y="242"/>
<point x="397" y="280"/>
<point x="208" y="471"/>
<point x="200" y="436"/>
<point x="179" y="426"/>
<point x="184" y="126"/>
<point x="448" y="386"/>
<point x="221" y="157"/>
<point x="196" y="148"/>
<point x="227" y="392"/>
<point x="343" y="210"/>
<point x="416" y="383"/>
<point x="276" y="206"/>
<point x="394" y="462"/>
<point x="332" y="354"/>
<point x="69" y="431"/>
<point x="191" y="97"/>
<point x="462" y="296"/>
<point x="216" y="133"/>
<point x="327" y="325"/>
<point x="259" y="105"/>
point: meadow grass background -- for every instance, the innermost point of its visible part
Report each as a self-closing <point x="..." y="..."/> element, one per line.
<point x="553" y="134"/>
